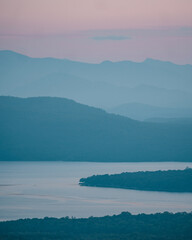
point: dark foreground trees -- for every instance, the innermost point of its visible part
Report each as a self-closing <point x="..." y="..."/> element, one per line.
<point x="159" y="226"/>
<point x="169" y="181"/>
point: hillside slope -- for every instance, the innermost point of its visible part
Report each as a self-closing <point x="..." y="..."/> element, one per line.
<point x="47" y="128"/>
<point x="142" y="112"/>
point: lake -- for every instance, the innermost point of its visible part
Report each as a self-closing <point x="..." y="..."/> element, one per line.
<point x="39" y="189"/>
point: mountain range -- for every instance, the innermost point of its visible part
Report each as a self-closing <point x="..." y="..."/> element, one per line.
<point x="47" y="128"/>
<point x="146" y="112"/>
<point x="104" y="85"/>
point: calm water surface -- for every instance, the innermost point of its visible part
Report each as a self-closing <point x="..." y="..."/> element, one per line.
<point x="39" y="189"/>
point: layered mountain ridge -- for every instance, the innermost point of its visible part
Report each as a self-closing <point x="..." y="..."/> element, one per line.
<point x="106" y="85"/>
<point x="46" y="128"/>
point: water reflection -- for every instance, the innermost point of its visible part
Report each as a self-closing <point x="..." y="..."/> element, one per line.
<point x="39" y="189"/>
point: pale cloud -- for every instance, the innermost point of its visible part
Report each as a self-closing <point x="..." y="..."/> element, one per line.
<point x="98" y="30"/>
<point x="134" y="33"/>
<point x="111" y="38"/>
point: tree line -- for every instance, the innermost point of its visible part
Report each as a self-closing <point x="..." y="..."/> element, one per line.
<point x="159" y="226"/>
<point x="169" y="181"/>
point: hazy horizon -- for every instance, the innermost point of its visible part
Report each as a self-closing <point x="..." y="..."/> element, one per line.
<point x="94" y="62"/>
<point x="95" y="31"/>
<point x="96" y="119"/>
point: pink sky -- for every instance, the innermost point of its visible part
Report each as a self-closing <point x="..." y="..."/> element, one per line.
<point x="97" y="30"/>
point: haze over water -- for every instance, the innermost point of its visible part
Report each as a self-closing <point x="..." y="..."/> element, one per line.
<point x="39" y="189"/>
<point x="139" y="48"/>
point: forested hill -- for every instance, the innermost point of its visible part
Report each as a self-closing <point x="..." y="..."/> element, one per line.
<point x="168" y="181"/>
<point x="159" y="226"/>
<point x="46" y="128"/>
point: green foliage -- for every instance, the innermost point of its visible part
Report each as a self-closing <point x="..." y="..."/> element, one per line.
<point x="170" y="181"/>
<point x="45" y="128"/>
<point x="159" y="226"/>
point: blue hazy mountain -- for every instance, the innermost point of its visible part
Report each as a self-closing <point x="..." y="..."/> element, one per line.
<point x="105" y="85"/>
<point x="48" y="128"/>
<point x="142" y="112"/>
<point x="170" y="120"/>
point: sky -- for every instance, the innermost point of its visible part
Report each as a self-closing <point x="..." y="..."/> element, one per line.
<point x="98" y="30"/>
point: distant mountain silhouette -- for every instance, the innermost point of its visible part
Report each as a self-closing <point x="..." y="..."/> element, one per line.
<point x="60" y="129"/>
<point x="142" y="112"/>
<point x="105" y="85"/>
<point x="170" y="120"/>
